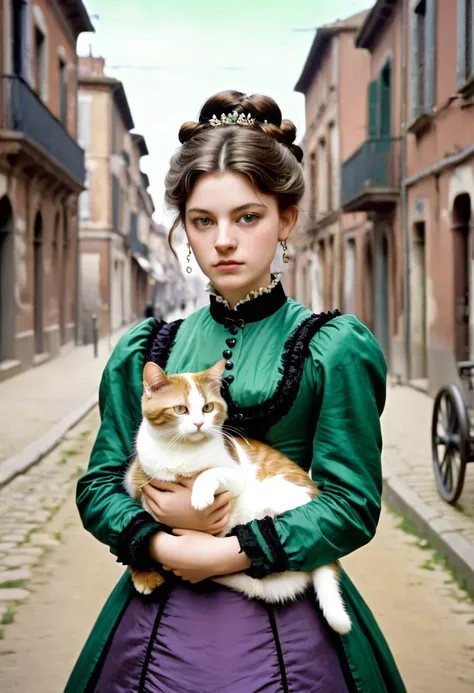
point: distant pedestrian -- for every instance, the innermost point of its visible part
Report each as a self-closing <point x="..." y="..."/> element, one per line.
<point x="312" y="386"/>
<point x="149" y="312"/>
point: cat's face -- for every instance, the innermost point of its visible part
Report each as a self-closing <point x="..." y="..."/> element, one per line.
<point x="184" y="407"/>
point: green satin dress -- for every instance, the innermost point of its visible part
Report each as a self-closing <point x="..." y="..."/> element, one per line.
<point x="311" y="386"/>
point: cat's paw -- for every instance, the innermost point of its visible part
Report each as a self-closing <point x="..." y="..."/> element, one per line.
<point x="203" y="495"/>
<point x="146" y="581"/>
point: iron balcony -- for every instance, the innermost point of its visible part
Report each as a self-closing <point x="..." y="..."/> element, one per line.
<point x="370" y="179"/>
<point x="26" y="114"/>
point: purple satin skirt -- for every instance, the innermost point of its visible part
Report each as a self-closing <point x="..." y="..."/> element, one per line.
<point x="208" y="639"/>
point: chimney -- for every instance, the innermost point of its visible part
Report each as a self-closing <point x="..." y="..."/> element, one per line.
<point x="91" y="67"/>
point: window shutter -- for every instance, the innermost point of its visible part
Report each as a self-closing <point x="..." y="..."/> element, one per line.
<point x="461" y="41"/>
<point x="84" y="123"/>
<point x="414" y="64"/>
<point x="470" y="34"/>
<point x="385" y="79"/>
<point x="26" y="68"/>
<point x="430" y="55"/>
<point x="372" y="125"/>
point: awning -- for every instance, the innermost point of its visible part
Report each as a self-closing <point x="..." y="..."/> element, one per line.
<point x="143" y="262"/>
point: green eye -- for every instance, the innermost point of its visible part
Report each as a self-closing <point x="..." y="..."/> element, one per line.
<point x="180" y="409"/>
<point x="208" y="407"/>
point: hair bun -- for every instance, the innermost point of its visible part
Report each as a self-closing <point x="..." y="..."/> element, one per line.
<point x="288" y="132"/>
<point x="187" y="130"/>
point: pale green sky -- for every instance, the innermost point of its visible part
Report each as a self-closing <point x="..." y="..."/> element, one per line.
<point x="171" y="56"/>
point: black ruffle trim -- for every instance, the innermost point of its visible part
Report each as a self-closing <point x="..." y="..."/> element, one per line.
<point x="133" y="540"/>
<point x="254" y="421"/>
<point x="257" y="419"/>
<point x="269" y="533"/>
<point x="248" y="542"/>
<point x="162" y="341"/>
<point x="249" y="545"/>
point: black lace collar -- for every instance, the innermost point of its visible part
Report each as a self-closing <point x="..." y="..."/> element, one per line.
<point x="256" y="309"/>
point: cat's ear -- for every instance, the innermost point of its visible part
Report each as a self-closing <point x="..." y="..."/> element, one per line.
<point x="215" y="372"/>
<point x="154" y="378"/>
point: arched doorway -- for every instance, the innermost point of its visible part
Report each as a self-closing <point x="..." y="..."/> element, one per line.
<point x="462" y="272"/>
<point x="38" y="281"/>
<point x="368" y="285"/>
<point x="7" y="281"/>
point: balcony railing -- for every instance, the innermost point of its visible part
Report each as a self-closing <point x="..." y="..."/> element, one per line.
<point x="24" y="112"/>
<point x="136" y="246"/>
<point x="370" y="175"/>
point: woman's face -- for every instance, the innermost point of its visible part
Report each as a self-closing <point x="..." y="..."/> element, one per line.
<point x="233" y="230"/>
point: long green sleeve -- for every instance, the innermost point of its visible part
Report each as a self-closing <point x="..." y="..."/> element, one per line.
<point x="106" y="510"/>
<point x="349" y="375"/>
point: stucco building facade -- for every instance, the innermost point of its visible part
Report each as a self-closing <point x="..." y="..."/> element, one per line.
<point x="41" y="176"/>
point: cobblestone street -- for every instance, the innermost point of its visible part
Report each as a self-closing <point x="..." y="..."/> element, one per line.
<point x="55" y="577"/>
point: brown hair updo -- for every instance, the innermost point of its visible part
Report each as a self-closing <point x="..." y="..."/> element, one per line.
<point x="264" y="152"/>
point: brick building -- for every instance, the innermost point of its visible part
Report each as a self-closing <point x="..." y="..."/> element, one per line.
<point x="406" y="190"/>
<point x="333" y="80"/>
<point x="116" y="209"/>
<point x="41" y="176"/>
<point x="415" y="179"/>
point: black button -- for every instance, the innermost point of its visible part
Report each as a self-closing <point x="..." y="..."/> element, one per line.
<point x="231" y="342"/>
<point x="239" y="416"/>
<point x="233" y="329"/>
<point x="229" y="379"/>
<point x="227" y="354"/>
<point x="229" y="365"/>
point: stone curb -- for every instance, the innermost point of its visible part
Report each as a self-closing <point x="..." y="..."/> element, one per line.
<point x="34" y="452"/>
<point x="458" y="551"/>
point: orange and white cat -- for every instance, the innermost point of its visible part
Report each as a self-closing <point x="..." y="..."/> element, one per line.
<point x="182" y="435"/>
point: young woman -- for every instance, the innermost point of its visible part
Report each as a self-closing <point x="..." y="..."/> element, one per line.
<point x="311" y="386"/>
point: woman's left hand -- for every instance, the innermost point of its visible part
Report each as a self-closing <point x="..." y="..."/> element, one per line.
<point x="196" y="556"/>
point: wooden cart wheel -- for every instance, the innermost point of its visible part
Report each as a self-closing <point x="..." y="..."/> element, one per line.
<point x="450" y="442"/>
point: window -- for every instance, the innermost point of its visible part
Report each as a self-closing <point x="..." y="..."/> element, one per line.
<point x="313" y="183"/>
<point x="18" y="35"/>
<point x="334" y="166"/>
<point x="41" y="63"/>
<point x="423" y="53"/>
<point x="62" y="91"/>
<point x="85" y="199"/>
<point x="465" y="42"/>
<point x="323" y="177"/>
<point x="84" y="122"/>
<point x="420" y="19"/>
<point x="113" y="126"/>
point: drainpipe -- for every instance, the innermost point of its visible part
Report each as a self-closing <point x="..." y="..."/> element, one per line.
<point x="404" y="196"/>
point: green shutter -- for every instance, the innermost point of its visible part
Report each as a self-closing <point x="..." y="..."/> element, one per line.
<point x="372" y="98"/>
<point x="386" y="100"/>
<point x="461" y="43"/>
<point x="430" y="55"/>
<point x="414" y="87"/>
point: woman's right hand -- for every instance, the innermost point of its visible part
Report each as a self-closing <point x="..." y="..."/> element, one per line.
<point x="170" y="503"/>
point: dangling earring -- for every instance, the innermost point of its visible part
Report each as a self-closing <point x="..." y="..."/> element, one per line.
<point x="189" y="269"/>
<point x="285" y="248"/>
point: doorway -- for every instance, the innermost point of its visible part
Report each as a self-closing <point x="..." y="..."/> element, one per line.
<point x="419" y="366"/>
<point x="381" y="296"/>
<point x="350" y="283"/>
<point x="368" y="285"/>
<point x="7" y="281"/>
<point x="462" y="262"/>
<point x="38" y="283"/>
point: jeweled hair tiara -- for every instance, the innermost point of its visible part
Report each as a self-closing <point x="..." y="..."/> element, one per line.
<point x="233" y="118"/>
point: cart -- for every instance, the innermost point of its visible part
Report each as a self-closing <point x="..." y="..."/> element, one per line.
<point x="452" y="434"/>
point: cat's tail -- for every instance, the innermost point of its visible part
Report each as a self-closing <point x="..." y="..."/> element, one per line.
<point x="326" y="585"/>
